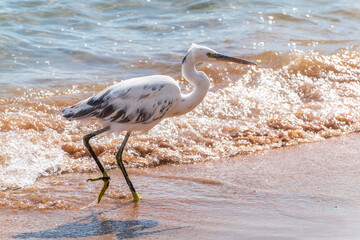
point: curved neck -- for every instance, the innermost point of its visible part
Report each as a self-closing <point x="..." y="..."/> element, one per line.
<point x="201" y="84"/>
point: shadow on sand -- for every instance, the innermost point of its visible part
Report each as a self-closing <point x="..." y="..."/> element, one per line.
<point x="92" y="226"/>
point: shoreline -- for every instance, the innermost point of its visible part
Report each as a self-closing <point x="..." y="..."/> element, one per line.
<point x="299" y="192"/>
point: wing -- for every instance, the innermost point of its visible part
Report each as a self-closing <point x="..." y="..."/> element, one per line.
<point x="138" y="100"/>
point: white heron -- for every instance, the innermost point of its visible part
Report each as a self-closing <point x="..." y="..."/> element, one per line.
<point x="138" y="104"/>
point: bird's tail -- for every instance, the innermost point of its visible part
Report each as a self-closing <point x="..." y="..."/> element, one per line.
<point x="80" y="111"/>
<point x="68" y="112"/>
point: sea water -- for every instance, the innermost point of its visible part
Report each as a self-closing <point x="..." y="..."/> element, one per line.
<point x="53" y="54"/>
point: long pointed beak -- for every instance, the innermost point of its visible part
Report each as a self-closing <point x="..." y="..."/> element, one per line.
<point x="221" y="57"/>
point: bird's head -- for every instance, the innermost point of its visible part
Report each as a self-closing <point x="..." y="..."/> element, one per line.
<point x="199" y="53"/>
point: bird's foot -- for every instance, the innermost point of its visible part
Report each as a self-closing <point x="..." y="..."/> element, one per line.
<point x="136" y="196"/>
<point x="97" y="179"/>
<point x="106" y="180"/>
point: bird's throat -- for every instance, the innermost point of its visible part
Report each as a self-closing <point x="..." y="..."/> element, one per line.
<point x="200" y="83"/>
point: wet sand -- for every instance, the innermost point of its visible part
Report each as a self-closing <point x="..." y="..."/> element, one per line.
<point x="309" y="191"/>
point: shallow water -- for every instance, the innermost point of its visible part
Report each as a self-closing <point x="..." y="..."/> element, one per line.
<point x="310" y="191"/>
<point x="56" y="53"/>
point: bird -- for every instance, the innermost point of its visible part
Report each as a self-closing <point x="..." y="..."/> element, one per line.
<point x="138" y="104"/>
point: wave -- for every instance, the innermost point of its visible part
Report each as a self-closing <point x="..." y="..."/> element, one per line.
<point x="290" y="98"/>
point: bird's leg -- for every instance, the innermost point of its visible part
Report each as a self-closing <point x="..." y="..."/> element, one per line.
<point x="105" y="176"/>
<point x="123" y="170"/>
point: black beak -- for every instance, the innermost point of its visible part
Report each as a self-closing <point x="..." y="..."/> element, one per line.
<point x="221" y="57"/>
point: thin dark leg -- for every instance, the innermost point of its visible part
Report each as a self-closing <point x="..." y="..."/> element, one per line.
<point x="122" y="167"/>
<point x="105" y="177"/>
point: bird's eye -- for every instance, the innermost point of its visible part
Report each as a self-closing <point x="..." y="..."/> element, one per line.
<point x="210" y="55"/>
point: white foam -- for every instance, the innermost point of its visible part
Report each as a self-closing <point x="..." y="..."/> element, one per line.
<point x="27" y="157"/>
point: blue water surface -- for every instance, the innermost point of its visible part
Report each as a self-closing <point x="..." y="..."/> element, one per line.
<point x="44" y="43"/>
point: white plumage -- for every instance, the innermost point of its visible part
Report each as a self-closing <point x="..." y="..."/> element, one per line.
<point x="136" y="104"/>
<point x="139" y="104"/>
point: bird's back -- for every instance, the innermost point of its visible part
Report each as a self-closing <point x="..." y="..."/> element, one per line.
<point x="130" y="104"/>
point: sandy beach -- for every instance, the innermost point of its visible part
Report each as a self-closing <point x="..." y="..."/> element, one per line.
<point x="271" y="152"/>
<point x="309" y="191"/>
